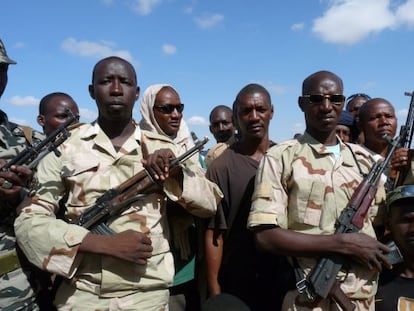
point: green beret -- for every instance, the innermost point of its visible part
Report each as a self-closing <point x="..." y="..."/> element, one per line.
<point x="3" y="55"/>
<point x="399" y="193"/>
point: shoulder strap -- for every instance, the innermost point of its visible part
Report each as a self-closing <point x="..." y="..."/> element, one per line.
<point x="27" y="133"/>
<point x="355" y="159"/>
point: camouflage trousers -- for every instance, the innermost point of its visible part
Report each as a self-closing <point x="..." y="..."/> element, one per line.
<point x="16" y="293"/>
<point x="69" y="298"/>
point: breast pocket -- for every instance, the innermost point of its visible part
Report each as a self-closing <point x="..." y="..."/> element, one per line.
<point x="83" y="181"/>
<point x="309" y="201"/>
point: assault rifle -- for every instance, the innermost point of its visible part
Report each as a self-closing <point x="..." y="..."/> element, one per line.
<point x="321" y="281"/>
<point x="406" y="131"/>
<point x="117" y="200"/>
<point x="33" y="154"/>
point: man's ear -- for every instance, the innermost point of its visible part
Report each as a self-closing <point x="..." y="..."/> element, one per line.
<point x="91" y="91"/>
<point x="387" y="223"/>
<point x="137" y="93"/>
<point x="358" y="125"/>
<point x="300" y="103"/>
<point x="41" y="120"/>
<point x="236" y="123"/>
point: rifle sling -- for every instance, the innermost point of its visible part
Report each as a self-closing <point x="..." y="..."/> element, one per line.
<point x="27" y="133"/>
<point x="356" y="161"/>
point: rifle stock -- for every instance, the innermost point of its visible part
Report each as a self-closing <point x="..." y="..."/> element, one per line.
<point x="322" y="277"/>
<point x="117" y="200"/>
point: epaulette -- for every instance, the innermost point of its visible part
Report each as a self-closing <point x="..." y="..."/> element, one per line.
<point x="214" y="152"/>
<point x="31" y="136"/>
<point x="279" y="148"/>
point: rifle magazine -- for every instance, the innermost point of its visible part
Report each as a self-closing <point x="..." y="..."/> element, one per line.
<point x="103" y="229"/>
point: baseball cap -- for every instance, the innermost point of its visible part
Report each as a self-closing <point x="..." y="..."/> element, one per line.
<point x="346" y="119"/>
<point x="3" y="55"/>
<point x="399" y="193"/>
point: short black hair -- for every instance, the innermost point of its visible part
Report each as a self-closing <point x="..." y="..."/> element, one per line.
<point x="308" y="82"/>
<point x="373" y="101"/>
<point x="350" y="98"/>
<point x="220" y="107"/>
<point x="250" y="89"/>
<point x="44" y="102"/>
<point x="113" y="58"/>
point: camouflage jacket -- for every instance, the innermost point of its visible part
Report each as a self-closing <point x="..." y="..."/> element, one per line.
<point x="297" y="191"/>
<point x="15" y="290"/>
<point x="215" y="151"/>
<point x="13" y="139"/>
<point x="89" y="165"/>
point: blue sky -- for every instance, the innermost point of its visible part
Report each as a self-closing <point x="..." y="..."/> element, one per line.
<point x="208" y="50"/>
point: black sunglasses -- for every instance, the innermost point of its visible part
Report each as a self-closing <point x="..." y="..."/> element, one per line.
<point x="169" y="108"/>
<point x="335" y="99"/>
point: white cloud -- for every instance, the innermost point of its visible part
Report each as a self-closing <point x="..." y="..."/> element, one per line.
<point x="94" y="49"/>
<point x="277" y="89"/>
<point x="405" y="13"/>
<point x="209" y="21"/>
<point x="368" y="85"/>
<point x="19" y="45"/>
<point x="273" y="88"/>
<point x="24" y="101"/>
<point x="298" y="26"/>
<point x="299" y="127"/>
<point x="350" y="21"/>
<point x="402" y="113"/>
<point x="189" y="8"/>
<point x="87" y="114"/>
<point x="197" y="120"/>
<point x="20" y="121"/>
<point x="144" y="7"/>
<point x="107" y="2"/>
<point x="169" y="49"/>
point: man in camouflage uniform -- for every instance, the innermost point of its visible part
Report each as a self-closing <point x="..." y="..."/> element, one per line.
<point x="131" y="269"/>
<point x="300" y="190"/>
<point x="15" y="290"/>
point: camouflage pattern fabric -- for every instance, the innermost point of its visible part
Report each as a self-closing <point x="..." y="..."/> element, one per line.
<point x="79" y="300"/>
<point x="88" y="166"/>
<point x="15" y="290"/>
<point x="215" y="151"/>
<point x="297" y="191"/>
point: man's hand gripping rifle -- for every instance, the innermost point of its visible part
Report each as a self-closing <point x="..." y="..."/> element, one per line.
<point x="322" y="281"/>
<point x="33" y="154"/>
<point x="116" y="200"/>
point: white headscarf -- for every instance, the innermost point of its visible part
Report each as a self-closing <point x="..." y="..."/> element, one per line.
<point x="179" y="224"/>
<point x="149" y="123"/>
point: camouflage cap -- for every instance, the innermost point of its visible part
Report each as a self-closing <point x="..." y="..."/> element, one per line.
<point x="3" y="55"/>
<point x="399" y="193"/>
